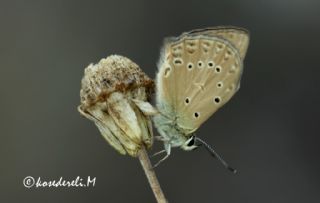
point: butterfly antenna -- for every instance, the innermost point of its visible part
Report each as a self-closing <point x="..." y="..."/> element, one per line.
<point x="216" y="155"/>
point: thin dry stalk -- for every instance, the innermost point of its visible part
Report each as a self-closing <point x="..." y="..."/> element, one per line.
<point x="151" y="175"/>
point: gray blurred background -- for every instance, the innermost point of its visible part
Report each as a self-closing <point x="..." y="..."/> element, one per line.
<point x="269" y="131"/>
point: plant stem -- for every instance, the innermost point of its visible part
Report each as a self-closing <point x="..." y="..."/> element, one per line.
<point x="151" y="175"/>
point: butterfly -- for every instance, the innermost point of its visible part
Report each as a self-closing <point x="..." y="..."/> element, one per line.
<point x="199" y="72"/>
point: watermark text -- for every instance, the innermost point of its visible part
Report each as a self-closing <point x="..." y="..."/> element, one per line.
<point x="39" y="182"/>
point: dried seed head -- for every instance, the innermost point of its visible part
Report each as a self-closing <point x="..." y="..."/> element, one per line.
<point x="114" y="95"/>
<point x="114" y="73"/>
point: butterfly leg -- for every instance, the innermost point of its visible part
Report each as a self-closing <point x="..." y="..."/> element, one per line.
<point x="160" y="138"/>
<point x="167" y="149"/>
<point x="157" y="153"/>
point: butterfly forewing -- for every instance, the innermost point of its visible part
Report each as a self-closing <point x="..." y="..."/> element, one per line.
<point x="199" y="72"/>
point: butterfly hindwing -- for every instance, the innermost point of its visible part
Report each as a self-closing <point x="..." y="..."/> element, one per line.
<point x="198" y="73"/>
<point x="239" y="37"/>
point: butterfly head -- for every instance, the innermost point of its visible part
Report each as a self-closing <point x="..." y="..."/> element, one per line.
<point x="189" y="144"/>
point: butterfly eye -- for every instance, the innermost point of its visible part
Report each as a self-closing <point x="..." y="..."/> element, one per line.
<point x="217" y="100"/>
<point x="191" y="142"/>
<point x="196" y="114"/>
<point x="219" y="84"/>
<point x="200" y="64"/>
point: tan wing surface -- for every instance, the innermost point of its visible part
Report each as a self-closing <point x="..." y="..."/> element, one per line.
<point x="198" y="75"/>
<point x="239" y="37"/>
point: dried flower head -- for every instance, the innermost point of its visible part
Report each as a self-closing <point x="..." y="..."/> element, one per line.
<point x="115" y="94"/>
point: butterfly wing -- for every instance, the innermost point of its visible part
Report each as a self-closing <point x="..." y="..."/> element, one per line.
<point x="239" y="37"/>
<point x="198" y="73"/>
